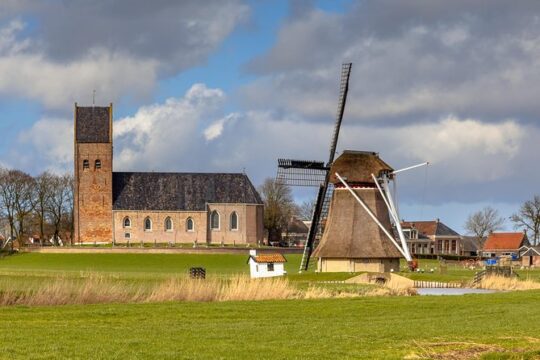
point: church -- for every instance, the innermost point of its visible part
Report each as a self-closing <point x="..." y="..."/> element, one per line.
<point x="149" y="207"/>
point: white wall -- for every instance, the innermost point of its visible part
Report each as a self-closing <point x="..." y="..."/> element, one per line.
<point x="260" y="270"/>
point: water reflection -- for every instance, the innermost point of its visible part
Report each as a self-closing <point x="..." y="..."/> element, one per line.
<point x="455" y="291"/>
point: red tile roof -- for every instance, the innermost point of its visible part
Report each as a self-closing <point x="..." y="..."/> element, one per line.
<point x="269" y="258"/>
<point x="505" y="241"/>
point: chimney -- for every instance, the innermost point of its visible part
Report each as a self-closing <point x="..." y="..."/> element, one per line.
<point x="438" y="220"/>
<point x="252" y="252"/>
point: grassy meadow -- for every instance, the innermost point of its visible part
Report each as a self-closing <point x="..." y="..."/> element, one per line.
<point x="495" y="326"/>
<point x="305" y="316"/>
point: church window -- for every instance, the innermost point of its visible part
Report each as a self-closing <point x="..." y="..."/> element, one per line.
<point x="86" y="164"/>
<point x="214" y="220"/>
<point x="98" y="164"/>
<point x="190" y="225"/>
<point x="127" y="222"/>
<point x="147" y="224"/>
<point x="127" y="235"/>
<point x="234" y="221"/>
<point x="168" y="224"/>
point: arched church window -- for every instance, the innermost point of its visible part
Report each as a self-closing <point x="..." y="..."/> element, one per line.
<point x="98" y="164"/>
<point x="127" y="222"/>
<point x="234" y="221"/>
<point x="190" y="224"/>
<point x="147" y="224"/>
<point x="86" y="164"/>
<point x="214" y="220"/>
<point x="168" y="224"/>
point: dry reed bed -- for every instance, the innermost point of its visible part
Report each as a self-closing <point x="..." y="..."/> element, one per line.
<point x="94" y="289"/>
<point x="502" y="283"/>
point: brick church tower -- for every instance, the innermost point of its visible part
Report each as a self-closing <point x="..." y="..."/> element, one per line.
<point x="93" y="217"/>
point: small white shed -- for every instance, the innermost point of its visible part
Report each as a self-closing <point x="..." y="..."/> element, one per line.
<point x="266" y="265"/>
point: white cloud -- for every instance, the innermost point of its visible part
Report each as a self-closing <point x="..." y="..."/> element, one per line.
<point x="47" y="145"/>
<point x="165" y="135"/>
<point x="410" y="63"/>
<point x="29" y="74"/>
<point x="216" y="128"/>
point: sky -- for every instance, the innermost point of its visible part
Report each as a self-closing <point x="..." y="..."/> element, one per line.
<point x="232" y="85"/>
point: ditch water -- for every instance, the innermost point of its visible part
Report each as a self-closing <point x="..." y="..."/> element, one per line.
<point x="453" y="291"/>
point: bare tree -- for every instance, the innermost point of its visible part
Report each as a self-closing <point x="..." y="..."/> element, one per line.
<point x="278" y="207"/>
<point x="42" y="195"/>
<point x="484" y="222"/>
<point x="24" y="186"/>
<point x="306" y="209"/>
<point x="7" y="199"/>
<point x="59" y="205"/>
<point x="528" y="217"/>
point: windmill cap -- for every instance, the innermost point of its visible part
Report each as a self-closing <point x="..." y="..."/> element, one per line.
<point x="357" y="166"/>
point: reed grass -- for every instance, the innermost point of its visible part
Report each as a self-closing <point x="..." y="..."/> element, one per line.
<point x="95" y="288"/>
<point x="494" y="282"/>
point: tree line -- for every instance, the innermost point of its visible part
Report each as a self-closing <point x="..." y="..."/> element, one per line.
<point x="40" y="205"/>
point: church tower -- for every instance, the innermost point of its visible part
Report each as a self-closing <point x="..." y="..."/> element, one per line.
<point x="93" y="218"/>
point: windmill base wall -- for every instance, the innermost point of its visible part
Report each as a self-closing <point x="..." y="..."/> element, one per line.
<point x="358" y="265"/>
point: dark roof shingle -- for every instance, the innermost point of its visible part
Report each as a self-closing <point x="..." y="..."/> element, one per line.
<point x="92" y="124"/>
<point x="180" y="191"/>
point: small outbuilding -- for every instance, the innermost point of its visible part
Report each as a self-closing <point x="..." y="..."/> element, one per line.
<point x="266" y="265"/>
<point x="530" y="256"/>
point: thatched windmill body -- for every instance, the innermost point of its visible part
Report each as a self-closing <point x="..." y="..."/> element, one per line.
<point x="356" y="237"/>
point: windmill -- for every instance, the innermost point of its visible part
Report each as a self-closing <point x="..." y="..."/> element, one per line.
<point x="316" y="174"/>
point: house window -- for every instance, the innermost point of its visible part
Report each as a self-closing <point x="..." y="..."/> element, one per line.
<point x="214" y="220"/>
<point x="127" y="222"/>
<point x="234" y="221"/>
<point x="147" y="224"/>
<point x="270" y="267"/>
<point x="168" y="224"/>
<point x="127" y="235"/>
<point x="190" y="225"/>
<point x="86" y="164"/>
<point x="97" y="165"/>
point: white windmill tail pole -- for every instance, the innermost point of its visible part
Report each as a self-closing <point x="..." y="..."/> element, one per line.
<point x="384" y="196"/>
<point x="395" y="215"/>
<point x="374" y="218"/>
<point x="409" y="168"/>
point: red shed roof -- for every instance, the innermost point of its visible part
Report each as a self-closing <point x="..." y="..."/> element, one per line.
<point x="269" y="258"/>
<point x="505" y="241"/>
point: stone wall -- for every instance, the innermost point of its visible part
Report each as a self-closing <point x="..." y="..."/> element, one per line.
<point x="249" y="226"/>
<point x="93" y="193"/>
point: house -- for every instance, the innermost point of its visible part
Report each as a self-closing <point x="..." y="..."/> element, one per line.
<point x="352" y="241"/>
<point x="530" y="256"/>
<point x="505" y="244"/>
<point x="432" y="238"/>
<point x="296" y="232"/>
<point x="266" y="265"/>
<point x="471" y="245"/>
<point x="139" y="207"/>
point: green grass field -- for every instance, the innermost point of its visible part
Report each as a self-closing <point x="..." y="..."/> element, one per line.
<point x="492" y="326"/>
<point x="503" y="326"/>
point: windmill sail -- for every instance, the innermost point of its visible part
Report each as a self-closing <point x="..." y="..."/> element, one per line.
<point x="321" y="211"/>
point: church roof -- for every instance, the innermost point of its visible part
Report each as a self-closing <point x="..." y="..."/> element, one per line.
<point x="92" y="124"/>
<point x="180" y="191"/>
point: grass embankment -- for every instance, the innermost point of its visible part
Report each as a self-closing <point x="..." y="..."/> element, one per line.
<point x="499" y="326"/>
